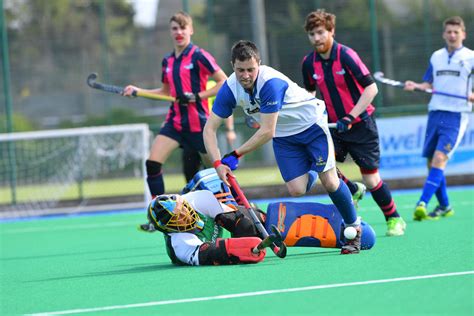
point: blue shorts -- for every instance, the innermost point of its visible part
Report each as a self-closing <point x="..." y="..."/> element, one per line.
<point x="186" y="140"/>
<point x="311" y="149"/>
<point x="444" y="131"/>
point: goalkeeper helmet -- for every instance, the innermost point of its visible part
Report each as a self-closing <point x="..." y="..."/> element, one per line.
<point x="171" y="213"/>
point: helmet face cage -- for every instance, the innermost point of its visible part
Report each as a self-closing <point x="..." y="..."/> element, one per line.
<point x="173" y="214"/>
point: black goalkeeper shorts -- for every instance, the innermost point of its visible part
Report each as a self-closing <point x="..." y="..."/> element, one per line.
<point x="361" y="142"/>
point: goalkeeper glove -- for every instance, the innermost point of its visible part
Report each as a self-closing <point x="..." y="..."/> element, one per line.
<point x="344" y="124"/>
<point x="231" y="159"/>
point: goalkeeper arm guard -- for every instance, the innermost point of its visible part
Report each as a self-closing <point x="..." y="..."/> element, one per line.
<point x="230" y="251"/>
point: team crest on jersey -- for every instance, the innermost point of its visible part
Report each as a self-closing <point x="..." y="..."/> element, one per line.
<point x="315" y="77"/>
<point x="167" y="70"/>
<point x="320" y="161"/>
<point x="341" y="72"/>
<point x="448" y="147"/>
<point x="189" y="67"/>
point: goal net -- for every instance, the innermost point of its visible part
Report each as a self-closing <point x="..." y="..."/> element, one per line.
<point x="73" y="170"/>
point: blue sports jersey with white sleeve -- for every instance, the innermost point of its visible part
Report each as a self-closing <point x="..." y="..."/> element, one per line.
<point x="273" y="92"/>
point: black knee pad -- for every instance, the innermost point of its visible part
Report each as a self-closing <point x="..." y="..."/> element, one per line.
<point x="152" y="167"/>
<point x="239" y="223"/>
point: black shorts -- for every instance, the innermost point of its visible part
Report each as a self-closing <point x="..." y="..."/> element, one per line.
<point x="187" y="140"/>
<point x="361" y="141"/>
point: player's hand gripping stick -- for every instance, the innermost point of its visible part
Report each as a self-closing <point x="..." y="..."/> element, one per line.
<point x="274" y="241"/>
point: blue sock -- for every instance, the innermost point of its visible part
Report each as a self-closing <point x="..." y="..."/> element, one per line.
<point x="431" y="184"/>
<point x="342" y="198"/>
<point x="312" y="178"/>
<point x="442" y="193"/>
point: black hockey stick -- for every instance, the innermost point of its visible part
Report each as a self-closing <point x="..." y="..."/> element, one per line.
<point x="91" y="82"/>
<point x="379" y="76"/>
<point x="275" y="240"/>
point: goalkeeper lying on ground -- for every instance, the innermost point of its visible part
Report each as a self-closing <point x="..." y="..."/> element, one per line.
<point x="192" y="225"/>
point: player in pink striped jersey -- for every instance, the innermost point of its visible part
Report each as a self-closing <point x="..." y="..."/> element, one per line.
<point x="348" y="89"/>
<point x="185" y="73"/>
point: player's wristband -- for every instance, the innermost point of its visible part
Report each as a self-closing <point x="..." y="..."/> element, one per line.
<point x="217" y="163"/>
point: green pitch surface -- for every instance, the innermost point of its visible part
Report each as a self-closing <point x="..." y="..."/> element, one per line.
<point x="103" y="265"/>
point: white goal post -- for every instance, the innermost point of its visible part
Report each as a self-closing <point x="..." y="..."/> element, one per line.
<point x="73" y="170"/>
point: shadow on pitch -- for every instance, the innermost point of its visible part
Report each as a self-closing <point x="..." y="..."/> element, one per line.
<point x="131" y="270"/>
<point x="70" y="254"/>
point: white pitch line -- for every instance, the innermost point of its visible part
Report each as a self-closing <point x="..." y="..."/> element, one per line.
<point x="246" y="294"/>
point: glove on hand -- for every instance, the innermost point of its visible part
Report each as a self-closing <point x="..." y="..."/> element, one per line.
<point x="231" y="159"/>
<point x="344" y="124"/>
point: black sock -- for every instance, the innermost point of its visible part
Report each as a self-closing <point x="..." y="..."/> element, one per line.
<point x="155" y="178"/>
<point x="382" y="196"/>
<point x="351" y="185"/>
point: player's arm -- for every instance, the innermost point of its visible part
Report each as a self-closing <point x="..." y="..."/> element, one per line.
<point x="264" y="134"/>
<point x="230" y="130"/>
<point x="426" y="84"/>
<point x="411" y="85"/>
<point x="210" y="136"/>
<point x="220" y="77"/>
<point x="271" y="95"/>
<point x="365" y="99"/>
<point x="212" y="148"/>
<point x="164" y="90"/>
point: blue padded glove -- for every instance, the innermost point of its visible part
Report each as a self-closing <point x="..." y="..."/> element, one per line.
<point x="344" y="124"/>
<point x="231" y="160"/>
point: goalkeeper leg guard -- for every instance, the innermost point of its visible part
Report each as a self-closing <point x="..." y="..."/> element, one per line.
<point x="230" y="251"/>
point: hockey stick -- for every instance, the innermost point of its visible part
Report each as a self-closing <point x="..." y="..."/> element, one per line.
<point x="275" y="240"/>
<point x="379" y="76"/>
<point x="91" y="82"/>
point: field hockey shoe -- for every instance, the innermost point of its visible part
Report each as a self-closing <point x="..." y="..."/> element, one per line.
<point x="396" y="226"/>
<point x="359" y="194"/>
<point x="420" y="212"/>
<point x="352" y="246"/>
<point x="441" y="212"/>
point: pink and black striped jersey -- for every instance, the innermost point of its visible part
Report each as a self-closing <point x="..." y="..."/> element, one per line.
<point x="341" y="79"/>
<point x="188" y="73"/>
